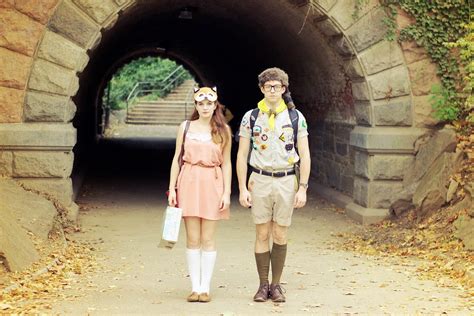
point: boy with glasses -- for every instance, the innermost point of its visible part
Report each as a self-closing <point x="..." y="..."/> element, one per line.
<point x="276" y="136"/>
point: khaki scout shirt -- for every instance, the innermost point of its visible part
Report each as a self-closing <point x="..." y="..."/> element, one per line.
<point x="273" y="150"/>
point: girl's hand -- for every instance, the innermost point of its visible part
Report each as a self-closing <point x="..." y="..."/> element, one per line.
<point x="225" y="203"/>
<point x="172" y="200"/>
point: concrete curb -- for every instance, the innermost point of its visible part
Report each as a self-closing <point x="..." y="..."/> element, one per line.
<point x="360" y="214"/>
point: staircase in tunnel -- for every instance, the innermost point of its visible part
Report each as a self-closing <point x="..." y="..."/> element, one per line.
<point x="171" y="110"/>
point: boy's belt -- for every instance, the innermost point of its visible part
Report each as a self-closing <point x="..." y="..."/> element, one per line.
<point x="277" y="174"/>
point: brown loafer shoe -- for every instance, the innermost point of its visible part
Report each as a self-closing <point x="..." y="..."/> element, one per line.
<point x="262" y="293"/>
<point x="276" y="293"/>
<point x="204" y="298"/>
<point x="193" y="297"/>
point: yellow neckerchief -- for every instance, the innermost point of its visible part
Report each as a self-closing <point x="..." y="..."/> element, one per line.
<point x="262" y="106"/>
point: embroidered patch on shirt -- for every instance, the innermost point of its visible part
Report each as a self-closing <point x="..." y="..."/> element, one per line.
<point x="257" y="130"/>
<point x="282" y="137"/>
<point x="264" y="137"/>
<point x="263" y="146"/>
<point x="289" y="147"/>
<point x="303" y="124"/>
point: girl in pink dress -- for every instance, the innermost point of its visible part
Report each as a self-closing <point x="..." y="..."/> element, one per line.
<point x="202" y="186"/>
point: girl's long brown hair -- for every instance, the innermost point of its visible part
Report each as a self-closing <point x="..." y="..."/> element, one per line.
<point x="219" y="127"/>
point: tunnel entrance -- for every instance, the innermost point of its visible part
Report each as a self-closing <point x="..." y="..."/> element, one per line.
<point x="227" y="45"/>
<point x="351" y="84"/>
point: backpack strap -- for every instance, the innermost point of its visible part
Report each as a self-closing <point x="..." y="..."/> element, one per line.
<point x="294" y="118"/>
<point x="253" y="118"/>
<point x="181" y="154"/>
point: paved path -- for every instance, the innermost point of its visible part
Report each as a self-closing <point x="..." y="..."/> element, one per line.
<point x="122" y="203"/>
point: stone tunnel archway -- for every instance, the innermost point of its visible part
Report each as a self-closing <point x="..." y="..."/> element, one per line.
<point x="361" y="153"/>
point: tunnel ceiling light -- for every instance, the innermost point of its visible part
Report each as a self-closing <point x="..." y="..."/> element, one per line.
<point x="185" y="14"/>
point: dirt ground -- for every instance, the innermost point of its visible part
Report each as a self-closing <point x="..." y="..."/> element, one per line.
<point x="122" y="219"/>
<point x="122" y="202"/>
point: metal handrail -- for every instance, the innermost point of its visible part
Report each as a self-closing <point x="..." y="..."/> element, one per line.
<point x="163" y="85"/>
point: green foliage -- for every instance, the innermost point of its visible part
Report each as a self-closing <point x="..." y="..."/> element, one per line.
<point x="152" y="70"/>
<point x="465" y="45"/>
<point x="438" y="23"/>
<point x="444" y="110"/>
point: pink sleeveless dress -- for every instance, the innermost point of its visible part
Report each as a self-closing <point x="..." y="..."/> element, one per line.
<point x="200" y="181"/>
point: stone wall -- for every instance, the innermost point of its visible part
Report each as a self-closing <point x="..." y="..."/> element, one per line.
<point x="333" y="155"/>
<point x="45" y="44"/>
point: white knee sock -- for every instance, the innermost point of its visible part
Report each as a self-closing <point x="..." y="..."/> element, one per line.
<point x="208" y="259"/>
<point x="194" y="267"/>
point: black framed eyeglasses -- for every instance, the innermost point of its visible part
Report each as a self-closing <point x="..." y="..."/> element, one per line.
<point x="269" y="87"/>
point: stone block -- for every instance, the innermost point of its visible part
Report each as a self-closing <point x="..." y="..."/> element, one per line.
<point x="430" y="194"/>
<point x="343" y="46"/>
<point x="6" y="163"/>
<point x="15" y="245"/>
<point x="361" y="164"/>
<point x="343" y="12"/>
<point x="14" y="68"/>
<point x="326" y="4"/>
<point x="381" y="56"/>
<point x="110" y="23"/>
<point x="73" y="24"/>
<point x="59" y="190"/>
<point x="423" y="75"/>
<point x="393" y="113"/>
<point x="38" y="10"/>
<point x="61" y="51"/>
<point x="376" y="194"/>
<point x="328" y="143"/>
<point x="328" y="27"/>
<point x="363" y="113"/>
<point x="333" y="175"/>
<point x="353" y="69"/>
<point x="97" y="10"/>
<point x="7" y="4"/>
<point x="341" y="149"/>
<point x="49" y="77"/>
<point x="45" y="136"/>
<point x="343" y="132"/>
<point x="11" y="105"/>
<point x="18" y="32"/>
<point x="424" y="112"/>
<point x="33" y="212"/>
<point x="361" y="191"/>
<point x="390" y="83"/>
<point x="413" y="52"/>
<point x="465" y="231"/>
<point x="443" y="141"/>
<point x="389" y="167"/>
<point x="360" y="91"/>
<point x="44" y="107"/>
<point x="389" y="139"/>
<point x="368" y="31"/>
<point x="347" y="184"/>
<point x="42" y="164"/>
<point x="366" y="216"/>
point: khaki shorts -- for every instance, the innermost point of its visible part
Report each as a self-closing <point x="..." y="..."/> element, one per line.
<point x="272" y="198"/>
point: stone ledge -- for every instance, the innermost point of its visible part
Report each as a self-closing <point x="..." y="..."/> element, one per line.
<point x="366" y="216"/>
<point x="37" y="136"/>
<point x="338" y="198"/>
<point x="385" y="139"/>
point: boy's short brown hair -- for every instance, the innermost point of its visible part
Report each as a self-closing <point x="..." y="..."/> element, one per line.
<point x="273" y="74"/>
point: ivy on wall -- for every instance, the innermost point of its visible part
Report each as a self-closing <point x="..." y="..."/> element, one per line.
<point x="442" y="27"/>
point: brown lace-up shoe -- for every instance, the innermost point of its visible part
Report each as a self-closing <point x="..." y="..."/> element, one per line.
<point x="276" y="293"/>
<point x="262" y="293"/>
<point x="193" y="297"/>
